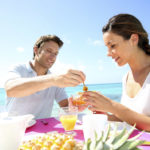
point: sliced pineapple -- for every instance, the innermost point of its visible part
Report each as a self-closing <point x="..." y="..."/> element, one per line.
<point x="51" y="141"/>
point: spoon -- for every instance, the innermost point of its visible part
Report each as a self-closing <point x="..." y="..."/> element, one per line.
<point x="85" y="88"/>
<point x="44" y="122"/>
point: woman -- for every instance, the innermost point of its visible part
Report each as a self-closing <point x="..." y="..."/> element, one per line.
<point x="127" y="43"/>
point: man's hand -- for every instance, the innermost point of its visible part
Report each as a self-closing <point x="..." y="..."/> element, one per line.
<point x="70" y="79"/>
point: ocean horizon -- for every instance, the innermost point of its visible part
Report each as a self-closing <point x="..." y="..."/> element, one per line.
<point x="111" y="90"/>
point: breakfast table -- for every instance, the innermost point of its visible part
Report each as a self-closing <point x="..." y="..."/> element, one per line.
<point x="53" y="124"/>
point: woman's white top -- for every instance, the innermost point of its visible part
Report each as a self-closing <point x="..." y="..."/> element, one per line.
<point x="141" y="102"/>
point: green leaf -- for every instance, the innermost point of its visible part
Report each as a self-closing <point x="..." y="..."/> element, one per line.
<point x="107" y="146"/>
<point x="110" y="140"/>
<point x="136" y="148"/>
<point x="131" y="144"/>
<point x="87" y="144"/>
<point x="135" y="144"/>
<point x="99" y="146"/>
<point x="93" y="145"/>
<point x="119" y="136"/>
<point x="123" y="139"/>
<point x="100" y="138"/>
<point x="95" y="135"/>
<point x="106" y="135"/>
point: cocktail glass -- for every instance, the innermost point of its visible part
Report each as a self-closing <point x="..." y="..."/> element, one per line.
<point x="78" y="99"/>
<point x="68" y="118"/>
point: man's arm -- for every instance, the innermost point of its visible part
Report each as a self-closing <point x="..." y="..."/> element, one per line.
<point x="63" y="103"/>
<point x="20" y="87"/>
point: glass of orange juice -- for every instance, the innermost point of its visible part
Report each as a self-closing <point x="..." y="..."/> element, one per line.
<point x="68" y="118"/>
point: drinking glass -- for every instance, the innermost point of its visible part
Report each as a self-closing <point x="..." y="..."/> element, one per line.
<point x="68" y="118"/>
<point x="92" y="123"/>
<point x="78" y="99"/>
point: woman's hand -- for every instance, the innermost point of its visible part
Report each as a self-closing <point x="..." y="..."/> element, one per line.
<point x="80" y="107"/>
<point x="98" y="102"/>
<point x="99" y="112"/>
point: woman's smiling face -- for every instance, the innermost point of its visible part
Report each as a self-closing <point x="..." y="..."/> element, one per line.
<point x="118" y="48"/>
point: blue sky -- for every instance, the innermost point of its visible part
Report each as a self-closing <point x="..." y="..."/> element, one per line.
<point x="77" y="22"/>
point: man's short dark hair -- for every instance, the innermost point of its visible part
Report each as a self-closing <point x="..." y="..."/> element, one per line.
<point x="46" y="38"/>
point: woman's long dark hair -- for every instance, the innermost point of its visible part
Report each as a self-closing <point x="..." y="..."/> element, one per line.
<point x="125" y="25"/>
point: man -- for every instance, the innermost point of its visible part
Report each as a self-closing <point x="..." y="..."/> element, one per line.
<point x="31" y="88"/>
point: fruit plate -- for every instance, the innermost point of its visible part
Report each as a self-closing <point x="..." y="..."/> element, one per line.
<point x="53" y="140"/>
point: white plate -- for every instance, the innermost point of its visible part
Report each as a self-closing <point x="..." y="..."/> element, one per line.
<point x="31" y="123"/>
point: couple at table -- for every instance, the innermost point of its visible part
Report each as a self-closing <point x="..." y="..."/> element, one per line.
<point x="32" y="88"/>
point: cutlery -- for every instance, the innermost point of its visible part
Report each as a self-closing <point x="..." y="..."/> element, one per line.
<point x="85" y="88"/>
<point x="44" y="122"/>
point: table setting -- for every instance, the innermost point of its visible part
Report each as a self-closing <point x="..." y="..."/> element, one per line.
<point x="24" y="128"/>
<point x="70" y="130"/>
<point x="88" y="129"/>
<point x="50" y="125"/>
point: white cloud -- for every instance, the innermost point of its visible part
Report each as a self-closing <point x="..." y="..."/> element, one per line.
<point x="98" y="43"/>
<point x="20" y="49"/>
<point x="95" y="42"/>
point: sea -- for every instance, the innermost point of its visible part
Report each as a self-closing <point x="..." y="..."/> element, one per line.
<point x="111" y="90"/>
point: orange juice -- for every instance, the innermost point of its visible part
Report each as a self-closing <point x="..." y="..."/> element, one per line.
<point x="68" y="121"/>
